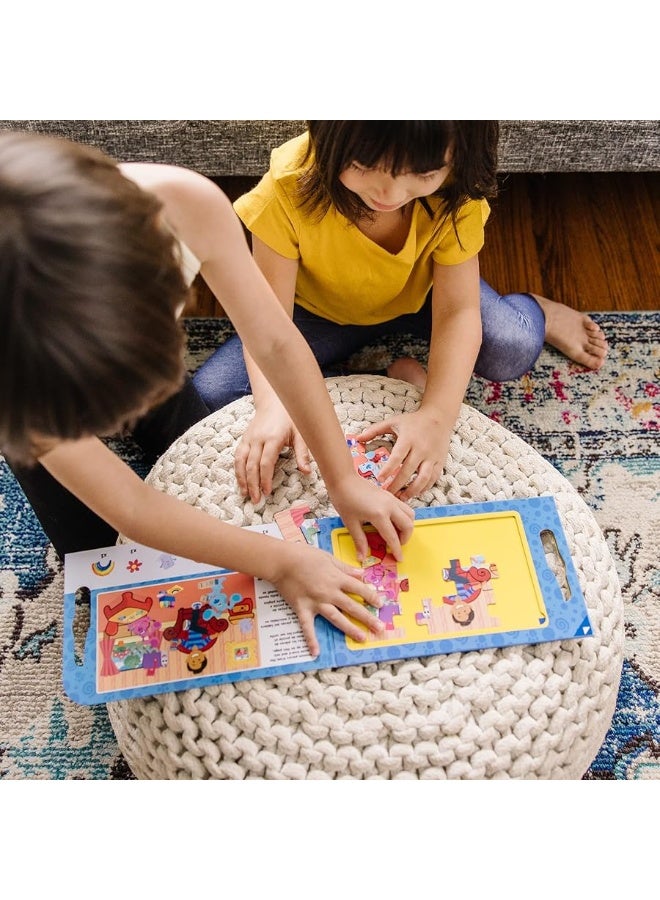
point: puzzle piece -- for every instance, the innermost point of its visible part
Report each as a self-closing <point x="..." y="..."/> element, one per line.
<point x="471" y="581"/>
<point x="368" y="463"/>
<point x="294" y="526"/>
<point x="468" y="606"/>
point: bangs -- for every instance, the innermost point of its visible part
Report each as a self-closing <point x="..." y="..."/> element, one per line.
<point x="399" y="146"/>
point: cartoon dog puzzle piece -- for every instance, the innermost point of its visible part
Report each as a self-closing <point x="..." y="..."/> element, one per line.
<point x="368" y="463"/>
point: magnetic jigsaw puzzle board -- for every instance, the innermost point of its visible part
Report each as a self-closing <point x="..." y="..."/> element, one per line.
<point x="470" y="574"/>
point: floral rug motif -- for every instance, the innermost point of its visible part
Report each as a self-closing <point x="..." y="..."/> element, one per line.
<point x="600" y="430"/>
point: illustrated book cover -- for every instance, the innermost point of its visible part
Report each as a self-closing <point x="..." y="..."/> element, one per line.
<point x="140" y="622"/>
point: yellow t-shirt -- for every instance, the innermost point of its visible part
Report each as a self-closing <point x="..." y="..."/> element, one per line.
<point x="343" y="275"/>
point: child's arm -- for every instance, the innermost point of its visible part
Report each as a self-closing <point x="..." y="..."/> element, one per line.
<point x="422" y="437"/>
<point x="204" y="218"/>
<point x="311" y="581"/>
<point x="271" y="428"/>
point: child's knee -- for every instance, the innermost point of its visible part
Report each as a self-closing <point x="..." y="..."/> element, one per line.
<point x="510" y="356"/>
<point x="513" y="337"/>
<point x="216" y="394"/>
<point x="223" y="378"/>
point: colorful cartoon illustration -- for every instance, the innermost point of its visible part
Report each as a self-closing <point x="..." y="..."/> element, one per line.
<point x="167" y="599"/>
<point x="192" y="625"/>
<point x="244" y="609"/>
<point x="195" y="632"/>
<point x="219" y="602"/>
<point x="103" y="566"/>
<point x="131" y="638"/>
<point x="128" y="610"/>
<point x="137" y="632"/>
<point x="147" y="629"/>
<point x="380" y="570"/>
<point x="469" y="582"/>
<point x="468" y="606"/>
<point x="127" y="655"/>
<point x="368" y="463"/>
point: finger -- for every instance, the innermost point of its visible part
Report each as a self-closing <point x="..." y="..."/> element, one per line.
<point x="388" y="471"/>
<point x="377" y="430"/>
<point x="411" y="490"/>
<point x="403" y="476"/>
<point x="359" y="538"/>
<point x="404" y="522"/>
<point x="253" y="471"/>
<point x="396" y="530"/>
<point x="309" y="633"/>
<point x="415" y="487"/>
<point x="426" y="477"/>
<point x="361" y="614"/>
<point x="350" y="628"/>
<point x="357" y="574"/>
<point x="239" y="467"/>
<point x="301" y="451"/>
<point x="391" y="537"/>
<point x="397" y="459"/>
<point x="360" y="588"/>
<point x="269" y="456"/>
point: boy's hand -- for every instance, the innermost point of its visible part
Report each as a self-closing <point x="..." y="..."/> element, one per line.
<point x="269" y="432"/>
<point x="314" y="583"/>
<point x="359" y="501"/>
<point x="421" y="448"/>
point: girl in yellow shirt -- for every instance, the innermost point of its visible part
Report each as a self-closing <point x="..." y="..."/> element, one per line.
<point x="371" y="228"/>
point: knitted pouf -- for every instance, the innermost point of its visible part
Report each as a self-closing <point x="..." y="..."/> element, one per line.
<point x="527" y="711"/>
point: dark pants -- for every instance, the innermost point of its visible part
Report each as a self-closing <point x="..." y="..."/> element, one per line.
<point x="68" y="523"/>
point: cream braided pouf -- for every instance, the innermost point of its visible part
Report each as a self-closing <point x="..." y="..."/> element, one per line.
<point x="538" y="711"/>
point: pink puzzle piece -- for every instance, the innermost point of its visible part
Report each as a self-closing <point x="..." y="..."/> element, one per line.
<point x="295" y="526"/>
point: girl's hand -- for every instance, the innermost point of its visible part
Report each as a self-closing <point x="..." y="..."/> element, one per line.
<point x="422" y="444"/>
<point x="358" y="501"/>
<point x="314" y="583"/>
<point x="269" y="432"/>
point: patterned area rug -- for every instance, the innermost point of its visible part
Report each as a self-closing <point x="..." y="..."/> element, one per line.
<point x="601" y="431"/>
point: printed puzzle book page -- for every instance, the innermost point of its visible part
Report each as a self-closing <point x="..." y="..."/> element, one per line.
<point x="157" y="622"/>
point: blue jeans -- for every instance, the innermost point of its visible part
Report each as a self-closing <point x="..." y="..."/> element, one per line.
<point x="513" y="337"/>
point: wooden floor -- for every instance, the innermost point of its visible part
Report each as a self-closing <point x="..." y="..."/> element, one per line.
<point x="587" y="239"/>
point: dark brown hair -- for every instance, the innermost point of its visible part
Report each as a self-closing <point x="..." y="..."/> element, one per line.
<point x="469" y="147"/>
<point x="90" y="284"/>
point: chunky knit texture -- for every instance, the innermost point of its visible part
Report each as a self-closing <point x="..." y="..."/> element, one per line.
<point x="529" y="711"/>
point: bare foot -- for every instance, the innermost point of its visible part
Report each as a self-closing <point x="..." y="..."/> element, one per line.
<point x="408" y="369"/>
<point x="573" y="333"/>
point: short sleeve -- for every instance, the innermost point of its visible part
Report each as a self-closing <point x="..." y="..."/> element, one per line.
<point x="267" y="212"/>
<point x="470" y="221"/>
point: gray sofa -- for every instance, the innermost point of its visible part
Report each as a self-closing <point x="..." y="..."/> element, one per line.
<point x="220" y="148"/>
